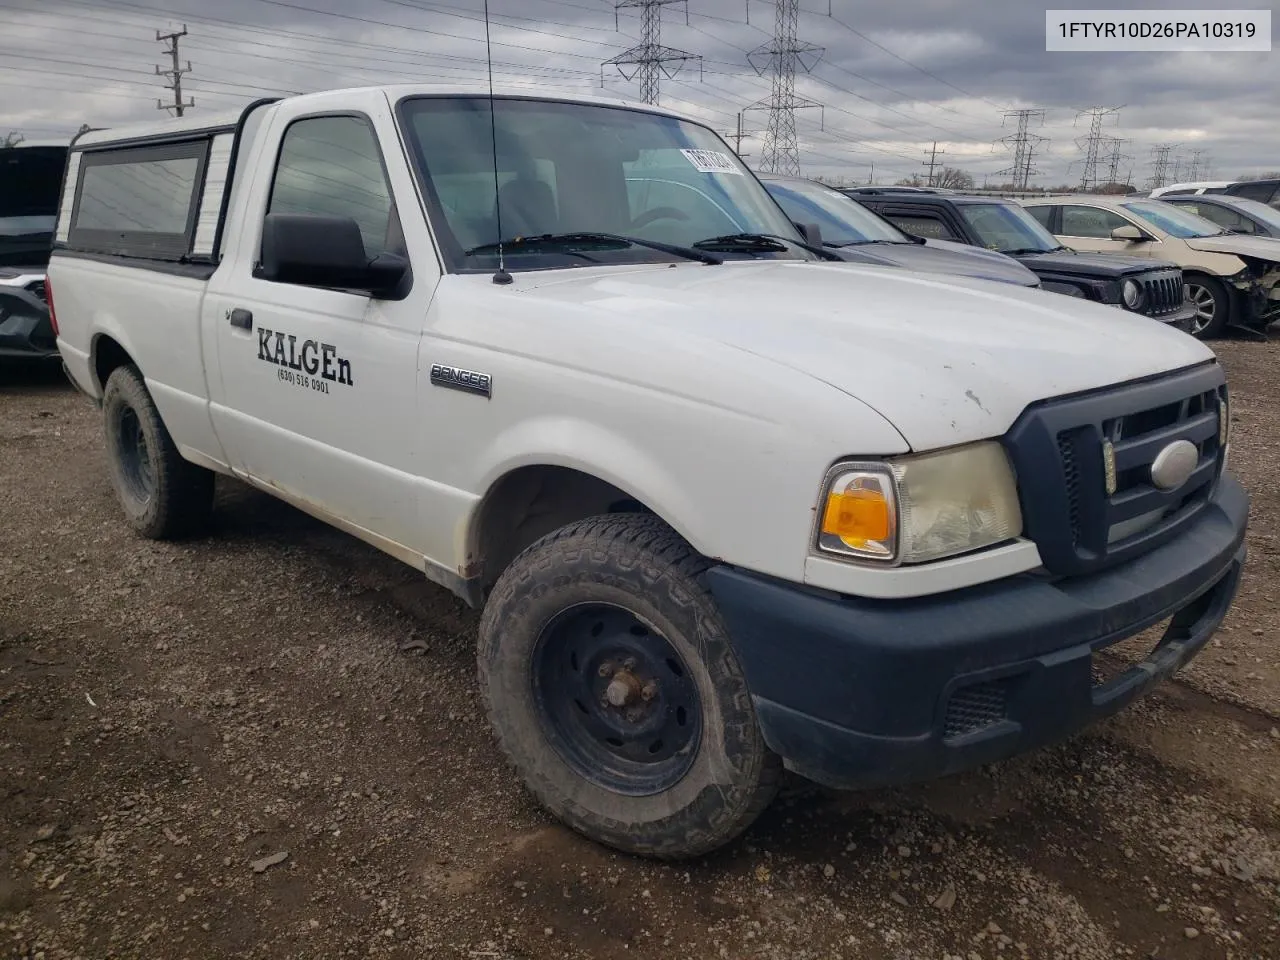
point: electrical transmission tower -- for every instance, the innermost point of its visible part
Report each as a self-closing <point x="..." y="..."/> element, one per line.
<point x="1160" y="165"/>
<point x="932" y="154"/>
<point x="781" y="56"/>
<point x="1092" y="145"/>
<point x="1023" y="144"/>
<point x="1114" y="156"/>
<point x="649" y="59"/>
<point x="174" y="73"/>
<point x="1199" y="165"/>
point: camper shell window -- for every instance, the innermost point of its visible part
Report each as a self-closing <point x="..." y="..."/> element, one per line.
<point x="139" y="201"/>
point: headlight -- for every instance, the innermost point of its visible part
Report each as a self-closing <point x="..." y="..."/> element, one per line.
<point x="1132" y="293"/>
<point x="920" y="508"/>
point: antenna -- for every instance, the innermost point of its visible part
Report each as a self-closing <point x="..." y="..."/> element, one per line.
<point x="501" y="276"/>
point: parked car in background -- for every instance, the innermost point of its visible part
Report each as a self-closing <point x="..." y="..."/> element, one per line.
<point x="872" y="191"/>
<point x="1140" y="285"/>
<point x="1233" y="280"/>
<point x="1192" y="189"/>
<point x="30" y="180"/>
<point x="1236" y="214"/>
<point x="851" y="230"/>
<point x="1264" y="191"/>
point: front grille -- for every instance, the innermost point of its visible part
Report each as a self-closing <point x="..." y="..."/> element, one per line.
<point x="1057" y="450"/>
<point x="1164" y="293"/>
<point x="975" y="708"/>
<point x="1071" y="476"/>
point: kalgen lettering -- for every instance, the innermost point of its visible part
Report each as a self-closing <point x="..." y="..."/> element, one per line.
<point x="312" y="356"/>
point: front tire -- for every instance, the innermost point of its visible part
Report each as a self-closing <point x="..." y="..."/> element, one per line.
<point x="163" y="495"/>
<point x="613" y="689"/>
<point x="1212" y="300"/>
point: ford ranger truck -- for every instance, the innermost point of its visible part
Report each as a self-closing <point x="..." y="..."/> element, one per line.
<point x="728" y="507"/>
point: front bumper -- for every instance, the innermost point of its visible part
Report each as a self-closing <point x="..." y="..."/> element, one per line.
<point x="1259" y="306"/>
<point x="860" y="693"/>
<point x="1182" y="319"/>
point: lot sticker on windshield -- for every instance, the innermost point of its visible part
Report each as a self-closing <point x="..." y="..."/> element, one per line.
<point x="711" y="161"/>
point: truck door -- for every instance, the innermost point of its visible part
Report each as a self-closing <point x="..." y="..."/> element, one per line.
<point x="319" y="385"/>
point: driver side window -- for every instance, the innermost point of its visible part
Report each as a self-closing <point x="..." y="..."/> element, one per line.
<point x="331" y="166"/>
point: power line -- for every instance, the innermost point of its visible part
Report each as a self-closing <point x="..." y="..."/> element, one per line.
<point x="648" y="59"/>
<point x="174" y="73"/>
<point x="913" y="66"/>
<point x="782" y="55"/>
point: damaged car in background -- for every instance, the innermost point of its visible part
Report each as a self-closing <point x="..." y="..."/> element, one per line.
<point x="30" y="180"/>
<point x="1141" y="285"/>
<point x="1233" y="279"/>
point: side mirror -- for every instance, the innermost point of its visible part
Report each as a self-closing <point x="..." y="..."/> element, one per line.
<point x="811" y="232"/>
<point x="319" y="251"/>
<point x="1129" y="233"/>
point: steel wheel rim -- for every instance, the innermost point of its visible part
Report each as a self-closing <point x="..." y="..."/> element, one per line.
<point x="1206" y="306"/>
<point x="134" y="454"/>
<point x="615" y="699"/>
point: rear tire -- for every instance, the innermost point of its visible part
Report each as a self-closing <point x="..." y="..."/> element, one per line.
<point x="1213" y="305"/>
<point x="163" y="495"/>
<point x="614" y="691"/>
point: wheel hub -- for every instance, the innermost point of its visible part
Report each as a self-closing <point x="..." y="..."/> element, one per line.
<point x="616" y="700"/>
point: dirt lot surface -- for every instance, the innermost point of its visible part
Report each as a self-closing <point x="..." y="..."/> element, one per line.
<point x="266" y="743"/>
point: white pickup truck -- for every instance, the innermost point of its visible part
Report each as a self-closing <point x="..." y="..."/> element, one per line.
<point x="727" y="506"/>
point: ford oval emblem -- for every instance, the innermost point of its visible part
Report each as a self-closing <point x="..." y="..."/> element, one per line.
<point x="1174" y="464"/>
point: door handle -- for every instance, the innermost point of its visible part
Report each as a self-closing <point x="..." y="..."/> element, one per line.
<point x="241" y="318"/>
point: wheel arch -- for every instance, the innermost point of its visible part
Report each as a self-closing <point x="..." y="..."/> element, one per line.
<point x="106" y="353"/>
<point x="529" y="500"/>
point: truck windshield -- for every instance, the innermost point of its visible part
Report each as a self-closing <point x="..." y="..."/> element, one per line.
<point x="30" y="178"/>
<point x="1007" y="228"/>
<point x="1182" y="224"/>
<point x="569" y="170"/>
<point x="843" y="222"/>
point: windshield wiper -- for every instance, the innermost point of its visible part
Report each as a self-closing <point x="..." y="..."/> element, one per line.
<point x="616" y="239"/>
<point x="863" y="243"/>
<point x="752" y="242"/>
<point x="1023" y="251"/>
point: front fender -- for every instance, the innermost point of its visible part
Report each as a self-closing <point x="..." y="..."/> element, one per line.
<point x="579" y="444"/>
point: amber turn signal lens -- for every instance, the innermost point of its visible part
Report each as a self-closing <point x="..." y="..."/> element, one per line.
<point x="856" y="515"/>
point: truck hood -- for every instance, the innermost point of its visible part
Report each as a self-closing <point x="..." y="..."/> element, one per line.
<point x="1260" y="248"/>
<point x="1107" y="266"/>
<point x="944" y="359"/>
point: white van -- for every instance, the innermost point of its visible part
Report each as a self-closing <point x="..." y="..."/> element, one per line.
<point x="727" y="505"/>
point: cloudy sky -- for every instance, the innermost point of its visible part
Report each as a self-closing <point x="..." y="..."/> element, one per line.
<point x="894" y="77"/>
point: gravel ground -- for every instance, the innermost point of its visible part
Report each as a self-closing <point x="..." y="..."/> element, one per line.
<point x="266" y="743"/>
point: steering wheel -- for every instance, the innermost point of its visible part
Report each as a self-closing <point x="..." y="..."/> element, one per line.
<point x="658" y="213"/>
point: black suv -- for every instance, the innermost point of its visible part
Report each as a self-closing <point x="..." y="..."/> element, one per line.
<point x="30" y="184"/>
<point x="1139" y="284"/>
<point x="1264" y="191"/>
